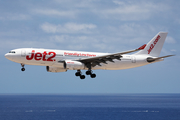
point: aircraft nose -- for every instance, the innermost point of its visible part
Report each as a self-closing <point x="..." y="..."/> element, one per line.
<point x="7" y="56"/>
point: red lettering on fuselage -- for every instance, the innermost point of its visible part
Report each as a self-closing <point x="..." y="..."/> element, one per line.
<point x="79" y="54"/>
<point x="32" y="55"/>
<point x="51" y="57"/>
<point x="38" y="56"/>
<point x="44" y="56"/>
<point x="41" y="56"/>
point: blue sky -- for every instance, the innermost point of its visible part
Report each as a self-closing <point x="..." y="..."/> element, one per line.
<point x="89" y="25"/>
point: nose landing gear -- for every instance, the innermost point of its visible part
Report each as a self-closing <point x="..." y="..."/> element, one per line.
<point x="22" y="69"/>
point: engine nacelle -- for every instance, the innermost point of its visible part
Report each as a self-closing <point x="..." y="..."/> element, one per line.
<point x="73" y="65"/>
<point x="55" y="69"/>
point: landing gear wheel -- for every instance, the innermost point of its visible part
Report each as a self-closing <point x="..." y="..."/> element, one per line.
<point x="78" y="74"/>
<point x="82" y="76"/>
<point x="93" y="75"/>
<point x="88" y="72"/>
<point x="22" y="69"/>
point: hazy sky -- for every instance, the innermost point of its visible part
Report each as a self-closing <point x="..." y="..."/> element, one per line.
<point x="89" y="25"/>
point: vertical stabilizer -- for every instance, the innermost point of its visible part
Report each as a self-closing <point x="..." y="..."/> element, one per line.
<point x="154" y="47"/>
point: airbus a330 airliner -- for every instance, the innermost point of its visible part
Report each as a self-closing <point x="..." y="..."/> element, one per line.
<point x="63" y="60"/>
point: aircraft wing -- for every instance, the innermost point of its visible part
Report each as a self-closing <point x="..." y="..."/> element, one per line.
<point x="93" y="61"/>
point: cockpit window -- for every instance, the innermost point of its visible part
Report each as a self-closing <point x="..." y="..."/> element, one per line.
<point x="12" y="52"/>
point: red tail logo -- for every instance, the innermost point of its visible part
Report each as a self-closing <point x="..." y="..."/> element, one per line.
<point x="153" y="45"/>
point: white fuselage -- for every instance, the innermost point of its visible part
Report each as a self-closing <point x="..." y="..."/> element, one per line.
<point x="50" y="57"/>
<point x="63" y="60"/>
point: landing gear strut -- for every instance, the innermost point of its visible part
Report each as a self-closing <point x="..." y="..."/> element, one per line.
<point x="22" y="69"/>
<point x="78" y="73"/>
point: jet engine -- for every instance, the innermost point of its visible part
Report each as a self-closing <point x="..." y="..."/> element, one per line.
<point x="55" y="69"/>
<point x="73" y="65"/>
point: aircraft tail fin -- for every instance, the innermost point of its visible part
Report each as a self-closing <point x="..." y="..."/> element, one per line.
<point x="154" y="47"/>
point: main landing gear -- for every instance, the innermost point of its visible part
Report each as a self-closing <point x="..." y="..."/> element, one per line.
<point x="89" y="72"/>
<point x="79" y="73"/>
<point x="22" y="69"/>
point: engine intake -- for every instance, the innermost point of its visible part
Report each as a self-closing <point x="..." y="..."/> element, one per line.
<point x="73" y="65"/>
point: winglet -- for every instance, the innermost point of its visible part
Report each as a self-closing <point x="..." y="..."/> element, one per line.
<point x="142" y="47"/>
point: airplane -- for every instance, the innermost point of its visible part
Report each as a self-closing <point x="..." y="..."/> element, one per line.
<point x="63" y="60"/>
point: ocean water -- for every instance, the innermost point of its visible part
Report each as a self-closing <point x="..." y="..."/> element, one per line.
<point x="90" y="107"/>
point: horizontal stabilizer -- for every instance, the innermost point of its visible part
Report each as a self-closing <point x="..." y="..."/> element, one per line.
<point x="149" y="59"/>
